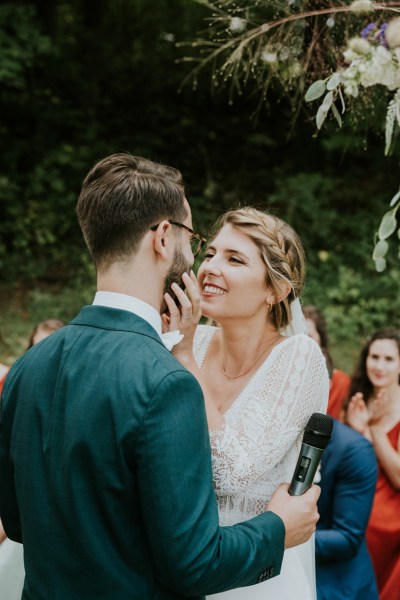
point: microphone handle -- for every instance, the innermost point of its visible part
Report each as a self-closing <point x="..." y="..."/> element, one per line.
<point x="305" y="470"/>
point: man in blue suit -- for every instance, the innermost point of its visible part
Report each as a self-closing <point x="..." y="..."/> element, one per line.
<point x="105" y="468"/>
<point x="348" y="477"/>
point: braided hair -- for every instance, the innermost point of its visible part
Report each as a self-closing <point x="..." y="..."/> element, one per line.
<point x="281" y="250"/>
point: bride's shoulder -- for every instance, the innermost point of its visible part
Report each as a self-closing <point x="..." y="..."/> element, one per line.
<point x="301" y="342"/>
<point x="201" y="341"/>
<point x="204" y="333"/>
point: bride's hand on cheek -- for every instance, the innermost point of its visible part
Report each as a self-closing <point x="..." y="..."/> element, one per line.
<point x="184" y="312"/>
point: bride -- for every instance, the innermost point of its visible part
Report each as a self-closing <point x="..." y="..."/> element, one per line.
<point x="261" y="378"/>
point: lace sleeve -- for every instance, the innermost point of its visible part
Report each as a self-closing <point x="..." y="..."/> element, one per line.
<point x="270" y="414"/>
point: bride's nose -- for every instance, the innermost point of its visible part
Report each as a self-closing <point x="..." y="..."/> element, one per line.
<point x="212" y="267"/>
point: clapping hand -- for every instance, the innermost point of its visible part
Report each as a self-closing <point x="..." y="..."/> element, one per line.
<point x="377" y="408"/>
<point x="357" y="415"/>
<point x="360" y="417"/>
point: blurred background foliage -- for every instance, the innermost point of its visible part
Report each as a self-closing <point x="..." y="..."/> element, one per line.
<point x="82" y="79"/>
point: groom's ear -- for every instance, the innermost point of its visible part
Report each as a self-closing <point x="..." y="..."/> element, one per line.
<point x="163" y="239"/>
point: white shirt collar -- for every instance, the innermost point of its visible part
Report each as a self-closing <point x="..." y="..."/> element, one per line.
<point x="132" y="304"/>
<point x="141" y="309"/>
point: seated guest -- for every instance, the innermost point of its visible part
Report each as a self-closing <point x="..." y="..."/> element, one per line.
<point x="43" y="329"/>
<point x="340" y="382"/>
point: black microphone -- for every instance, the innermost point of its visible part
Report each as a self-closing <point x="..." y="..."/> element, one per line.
<point x="316" y="437"/>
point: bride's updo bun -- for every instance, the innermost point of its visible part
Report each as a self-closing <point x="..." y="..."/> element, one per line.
<point x="281" y="250"/>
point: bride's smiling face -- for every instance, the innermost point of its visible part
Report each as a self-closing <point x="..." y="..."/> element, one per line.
<point x="232" y="277"/>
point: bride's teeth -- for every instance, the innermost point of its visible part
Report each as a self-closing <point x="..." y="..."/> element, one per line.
<point x="210" y="289"/>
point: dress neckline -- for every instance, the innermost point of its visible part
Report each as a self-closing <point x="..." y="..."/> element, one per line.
<point x="252" y="381"/>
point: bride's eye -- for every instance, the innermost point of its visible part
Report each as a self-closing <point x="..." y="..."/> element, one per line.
<point x="236" y="260"/>
<point x="208" y="255"/>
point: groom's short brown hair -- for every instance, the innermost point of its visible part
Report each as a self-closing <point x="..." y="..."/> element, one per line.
<point x="121" y="198"/>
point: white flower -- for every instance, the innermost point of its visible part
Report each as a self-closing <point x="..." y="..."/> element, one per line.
<point x="295" y="69"/>
<point x="362" y="6"/>
<point x="351" y="89"/>
<point x="360" y="46"/>
<point x="349" y="56"/>
<point x="392" y="33"/>
<point x="382" y="55"/>
<point x="352" y="72"/>
<point x="237" y="25"/>
<point x="269" y="56"/>
<point x="284" y="54"/>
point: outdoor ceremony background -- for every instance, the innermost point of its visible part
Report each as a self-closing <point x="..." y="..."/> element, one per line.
<point x="83" y="79"/>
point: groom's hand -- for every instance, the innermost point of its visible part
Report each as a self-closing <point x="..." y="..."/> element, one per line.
<point x="298" y="513"/>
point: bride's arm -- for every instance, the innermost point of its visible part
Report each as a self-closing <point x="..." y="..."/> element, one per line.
<point x="185" y="319"/>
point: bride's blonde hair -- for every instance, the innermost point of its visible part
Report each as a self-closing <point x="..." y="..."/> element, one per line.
<point x="281" y="250"/>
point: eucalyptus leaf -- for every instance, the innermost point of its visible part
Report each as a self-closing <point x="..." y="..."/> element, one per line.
<point x="380" y="265"/>
<point x="398" y="233"/>
<point x="333" y="81"/>
<point x="342" y="101"/>
<point x="387" y="226"/>
<point x="327" y="103"/>
<point x="380" y="249"/>
<point x="316" y="90"/>
<point x="321" y="116"/>
<point x="337" y="115"/>
<point x="394" y="199"/>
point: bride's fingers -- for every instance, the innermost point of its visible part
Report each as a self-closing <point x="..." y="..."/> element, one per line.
<point x="174" y="314"/>
<point x="186" y="308"/>
<point x="192" y="290"/>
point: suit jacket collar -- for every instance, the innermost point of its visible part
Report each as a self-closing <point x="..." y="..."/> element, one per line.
<point x="114" y="319"/>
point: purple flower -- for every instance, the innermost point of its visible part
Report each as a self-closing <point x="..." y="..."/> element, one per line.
<point x="381" y="35"/>
<point x="368" y="29"/>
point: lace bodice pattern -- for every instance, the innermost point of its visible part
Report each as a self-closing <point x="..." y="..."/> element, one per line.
<point x="258" y="446"/>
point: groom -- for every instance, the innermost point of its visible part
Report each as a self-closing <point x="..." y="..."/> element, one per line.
<point x="105" y="471"/>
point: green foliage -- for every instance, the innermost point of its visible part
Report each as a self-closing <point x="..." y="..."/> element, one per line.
<point x="354" y="304"/>
<point x="80" y="84"/>
<point x="21" y="45"/>
<point x="387" y="226"/>
<point x="22" y="307"/>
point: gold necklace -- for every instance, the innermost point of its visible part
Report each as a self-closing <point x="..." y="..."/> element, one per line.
<point x="254" y="363"/>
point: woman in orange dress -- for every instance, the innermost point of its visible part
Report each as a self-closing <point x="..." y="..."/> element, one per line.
<point x="374" y="411"/>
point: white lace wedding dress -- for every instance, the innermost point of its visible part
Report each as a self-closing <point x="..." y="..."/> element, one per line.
<point x="258" y="447"/>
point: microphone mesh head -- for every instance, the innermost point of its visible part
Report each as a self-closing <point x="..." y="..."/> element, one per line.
<point x="318" y="431"/>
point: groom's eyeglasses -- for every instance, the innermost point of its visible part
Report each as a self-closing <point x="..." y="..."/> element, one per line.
<point x="197" y="241"/>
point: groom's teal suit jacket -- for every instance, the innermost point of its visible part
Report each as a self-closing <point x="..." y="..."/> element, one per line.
<point x="105" y="472"/>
